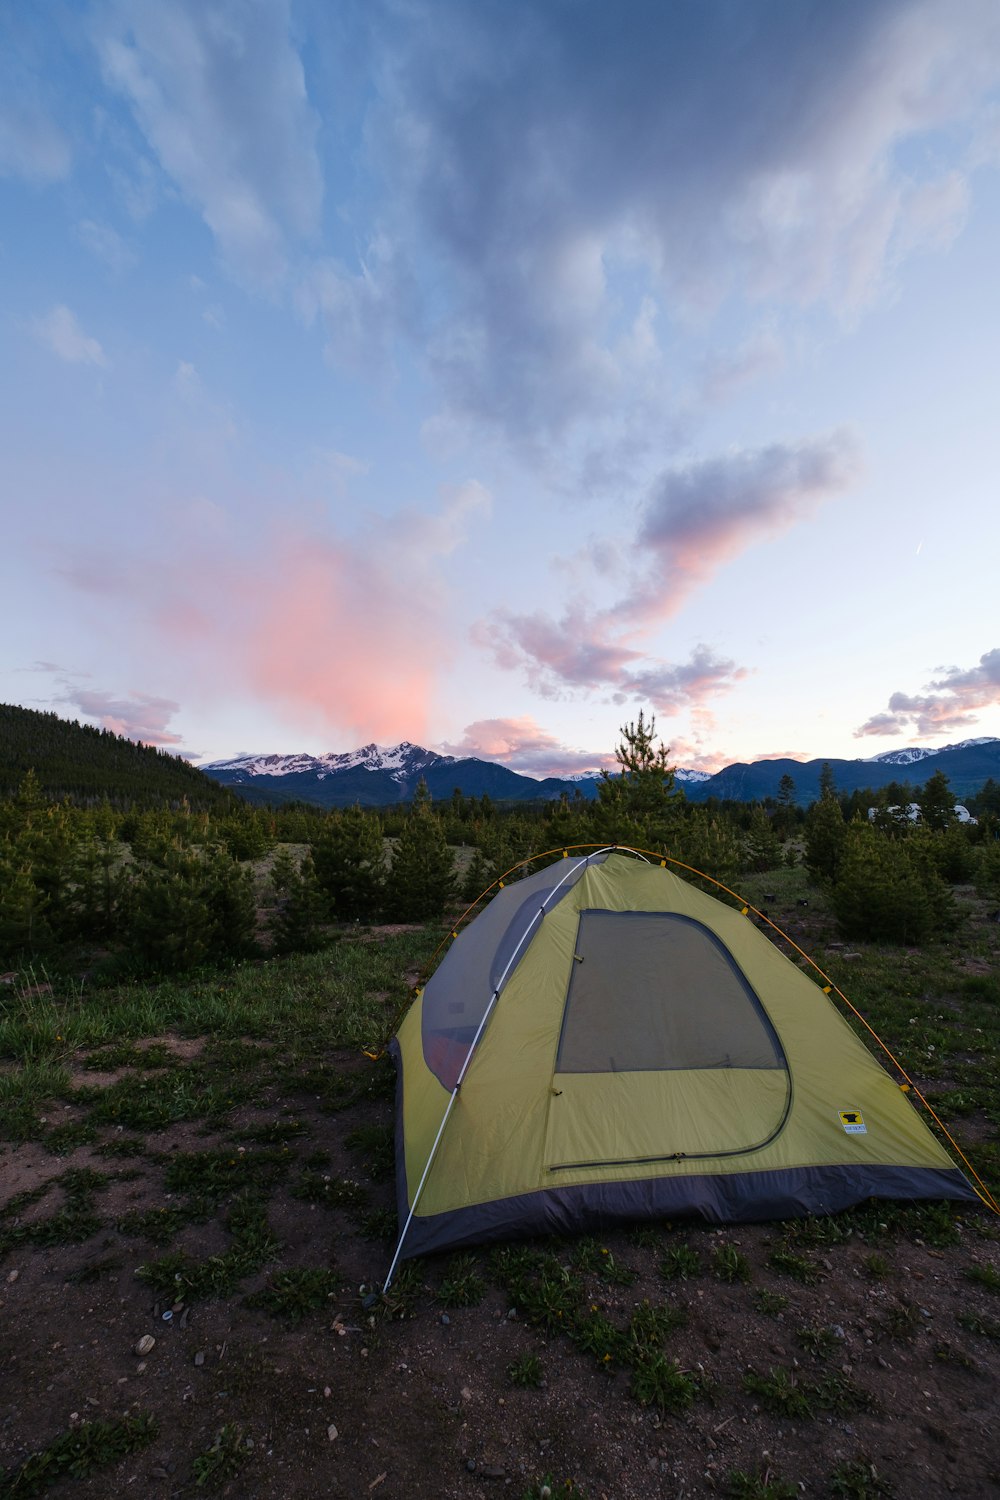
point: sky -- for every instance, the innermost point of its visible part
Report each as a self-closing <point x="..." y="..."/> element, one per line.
<point x="481" y="373"/>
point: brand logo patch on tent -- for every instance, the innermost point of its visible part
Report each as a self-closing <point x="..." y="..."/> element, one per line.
<point x="853" y="1122"/>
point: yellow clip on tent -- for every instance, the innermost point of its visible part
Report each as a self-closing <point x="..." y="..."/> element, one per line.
<point x="606" y="1042"/>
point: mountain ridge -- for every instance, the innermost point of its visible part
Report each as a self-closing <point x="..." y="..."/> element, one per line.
<point x="377" y="775"/>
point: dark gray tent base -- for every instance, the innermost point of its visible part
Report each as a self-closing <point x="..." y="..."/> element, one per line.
<point x="736" y="1198"/>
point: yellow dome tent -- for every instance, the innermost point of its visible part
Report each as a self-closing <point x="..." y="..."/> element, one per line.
<point x="607" y="1042"/>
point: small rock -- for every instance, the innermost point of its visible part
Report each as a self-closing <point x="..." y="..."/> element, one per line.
<point x="12" y="1277"/>
<point x="470" y="1464"/>
<point x="145" y="1344"/>
<point x="838" y="1332"/>
<point x="327" y="1392"/>
<point x="199" y="1358"/>
<point x="370" y="1301"/>
<point x="332" y="1433"/>
<point x="466" y="1393"/>
<point x="158" y="1473"/>
<point x="445" y="1319"/>
<point x="493" y="1471"/>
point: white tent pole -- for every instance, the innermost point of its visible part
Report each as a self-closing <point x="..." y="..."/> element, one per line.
<point x="475" y="1041"/>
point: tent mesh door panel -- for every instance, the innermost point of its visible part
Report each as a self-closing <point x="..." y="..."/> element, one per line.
<point x="651" y="991"/>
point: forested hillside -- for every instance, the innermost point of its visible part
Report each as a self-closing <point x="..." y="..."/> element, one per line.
<point x="86" y="765"/>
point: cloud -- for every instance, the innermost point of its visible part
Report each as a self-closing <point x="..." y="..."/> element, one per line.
<point x="523" y="745"/>
<point x="344" y="636"/>
<point x="951" y="702"/>
<point x="882" y="724"/>
<point x="139" y="716"/>
<point x="701" y="516"/>
<point x="586" y="178"/>
<point x="696" y="519"/>
<point x="106" y="244"/>
<point x="218" y="90"/>
<point x="60" y="332"/>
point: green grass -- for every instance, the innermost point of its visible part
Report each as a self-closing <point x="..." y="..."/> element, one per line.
<point x="294" y="1295"/>
<point x="764" y="1485"/>
<point x="786" y="1393"/>
<point x="320" y="1187"/>
<point x="769" y="1303"/>
<point x="526" y="1372"/>
<point x="591" y="1256"/>
<point x="799" y="1267"/>
<point x="660" y="1382"/>
<point x="679" y="1262"/>
<point x="984" y="1276"/>
<point x="859" y="1480"/>
<point x="224" y="1460"/>
<point x="818" y="1341"/>
<point x="212" y="1174"/>
<point x="179" y="1275"/>
<point x="729" y="1265"/>
<point x="375" y="1144"/>
<point x="78" y="1453"/>
<point x="462" y="1285"/>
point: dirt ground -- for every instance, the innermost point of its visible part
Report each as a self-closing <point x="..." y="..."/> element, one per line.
<point x="354" y="1403"/>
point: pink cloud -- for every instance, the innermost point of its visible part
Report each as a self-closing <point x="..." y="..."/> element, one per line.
<point x="524" y="746"/>
<point x="951" y="703"/>
<point x="139" y="716"/>
<point x="697" y="519"/>
<point x="347" y="636"/>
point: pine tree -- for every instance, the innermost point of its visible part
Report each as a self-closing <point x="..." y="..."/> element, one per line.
<point x="825" y="834"/>
<point x="96" y="889"/>
<point x="566" y="822"/>
<point x="349" y="859"/>
<point x="762" y="845"/>
<point x="168" y="925"/>
<point x="422" y="876"/>
<point x="937" y="802"/>
<point x="24" y="927"/>
<point x="886" y="890"/>
<point x="296" y="921"/>
<point x="477" y="877"/>
<point x="639" y="803"/>
<point x="708" y="842"/>
<point x="230" y="899"/>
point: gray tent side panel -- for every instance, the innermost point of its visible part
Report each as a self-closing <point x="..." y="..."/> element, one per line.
<point x="729" y="1198"/>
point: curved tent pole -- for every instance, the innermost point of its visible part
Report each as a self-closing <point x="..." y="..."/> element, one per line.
<point x="528" y="931"/>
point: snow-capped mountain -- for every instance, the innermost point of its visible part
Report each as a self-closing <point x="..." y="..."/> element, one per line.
<point x="913" y="753"/>
<point x="401" y="762"/>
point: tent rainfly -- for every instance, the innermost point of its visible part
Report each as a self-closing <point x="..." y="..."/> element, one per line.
<point x="606" y="1042"/>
